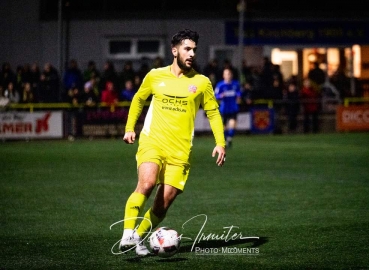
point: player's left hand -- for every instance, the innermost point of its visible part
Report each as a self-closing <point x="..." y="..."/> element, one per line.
<point x="221" y="155"/>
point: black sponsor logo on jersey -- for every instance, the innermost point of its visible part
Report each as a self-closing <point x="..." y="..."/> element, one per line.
<point x="175" y="100"/>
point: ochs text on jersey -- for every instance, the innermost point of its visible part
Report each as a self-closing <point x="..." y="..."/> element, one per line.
<point x="174" y="100"/>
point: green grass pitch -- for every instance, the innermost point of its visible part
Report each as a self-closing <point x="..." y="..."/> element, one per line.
<point x="305" y="196"/>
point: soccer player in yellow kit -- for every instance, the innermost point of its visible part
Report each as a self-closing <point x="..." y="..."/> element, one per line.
<point x="165" y="141"/>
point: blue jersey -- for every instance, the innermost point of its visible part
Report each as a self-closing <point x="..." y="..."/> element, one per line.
<point x="227" y="94"/>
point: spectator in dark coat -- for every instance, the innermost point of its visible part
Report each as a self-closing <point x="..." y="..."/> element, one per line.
<point x="292" y="99"/>
<point x="48" y="90"/>
<point x="73" y="77"/>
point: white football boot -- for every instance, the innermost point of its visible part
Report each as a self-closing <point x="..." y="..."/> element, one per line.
<point x="141" y="249"/>
<point x="127" y="242"/>
<point x="131" y="241"/>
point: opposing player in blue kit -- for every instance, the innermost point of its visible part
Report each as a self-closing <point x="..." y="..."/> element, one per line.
<point x="228" y="93"/>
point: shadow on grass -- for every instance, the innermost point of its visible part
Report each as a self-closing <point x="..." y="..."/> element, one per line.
<point x="158" y="259"/>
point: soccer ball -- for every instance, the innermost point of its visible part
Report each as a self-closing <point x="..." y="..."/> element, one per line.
<point x="165" y="242"/>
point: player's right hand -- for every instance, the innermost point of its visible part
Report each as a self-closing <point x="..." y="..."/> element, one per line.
<point x="129" y="137"/>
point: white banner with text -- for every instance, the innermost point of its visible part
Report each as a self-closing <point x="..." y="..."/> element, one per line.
<point x="24" y="125"/>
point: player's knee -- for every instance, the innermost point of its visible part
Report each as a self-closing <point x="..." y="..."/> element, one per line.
<point x="145" y="188"/>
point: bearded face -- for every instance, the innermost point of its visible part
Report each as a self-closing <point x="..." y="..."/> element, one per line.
<point x="185" y="54"/>
<point x="184" y="63"/>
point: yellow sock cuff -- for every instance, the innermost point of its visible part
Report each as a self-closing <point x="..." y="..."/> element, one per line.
<point x="135" y="204"/>
<point x="150" y="221"/>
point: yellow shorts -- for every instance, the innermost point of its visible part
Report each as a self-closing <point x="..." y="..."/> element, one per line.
<point x="173" y="171"/>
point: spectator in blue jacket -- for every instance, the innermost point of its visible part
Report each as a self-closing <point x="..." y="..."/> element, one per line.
<point x="128" y="92"/>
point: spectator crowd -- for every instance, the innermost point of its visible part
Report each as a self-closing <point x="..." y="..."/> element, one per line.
<point x="30" y="83"/>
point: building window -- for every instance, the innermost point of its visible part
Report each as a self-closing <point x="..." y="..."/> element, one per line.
<point x="134" y="48"/>
<point x="148" y="46"/>
<point x="117" y="47"/>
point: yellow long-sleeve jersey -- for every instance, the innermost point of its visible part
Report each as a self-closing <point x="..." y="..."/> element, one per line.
<point x="170" y="120"/>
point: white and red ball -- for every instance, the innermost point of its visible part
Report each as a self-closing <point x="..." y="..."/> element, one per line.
<point x="165" y="242"/>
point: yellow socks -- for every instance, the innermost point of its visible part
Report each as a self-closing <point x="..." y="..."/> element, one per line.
<point x="135" y="204"/>
<point x="150" y="221"/>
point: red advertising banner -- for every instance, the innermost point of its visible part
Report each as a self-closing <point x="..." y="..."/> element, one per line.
<point x="352" y="118"/>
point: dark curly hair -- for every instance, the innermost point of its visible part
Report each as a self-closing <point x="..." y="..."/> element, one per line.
<point x="184" y="34"/>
